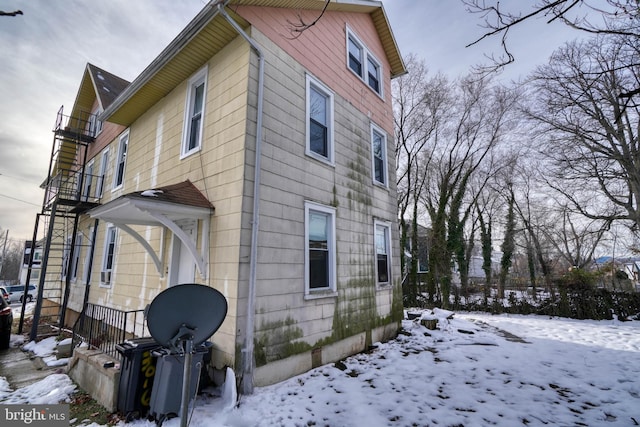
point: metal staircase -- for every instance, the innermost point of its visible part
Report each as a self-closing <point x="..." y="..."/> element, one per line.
<point x="69" y="192"/>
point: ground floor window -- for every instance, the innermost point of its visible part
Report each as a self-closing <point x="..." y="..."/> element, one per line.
<point x="108" y="256"/>
<point x="383" y="253"/>
<point x="320" y="259"/>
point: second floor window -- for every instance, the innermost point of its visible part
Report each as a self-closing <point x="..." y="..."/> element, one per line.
<point x="194" y="113"/>
<point x="87" y="183"/>
<point x="104" y="162"/>
<point x="121" y="160"/>
<point x="378" y="154"/>
<point x="319" y="121"/>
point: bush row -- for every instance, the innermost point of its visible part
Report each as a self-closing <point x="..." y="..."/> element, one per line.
<point x="597" y="304"/>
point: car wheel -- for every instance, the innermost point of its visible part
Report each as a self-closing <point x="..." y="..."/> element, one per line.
<point x="29" y="298"/>
<point x="5" y="339"/>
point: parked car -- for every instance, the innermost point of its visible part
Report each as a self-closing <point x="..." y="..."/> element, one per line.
<point x="6" y="319"/>
<point x="17" y="291"/>
<point x="5" y="294"/>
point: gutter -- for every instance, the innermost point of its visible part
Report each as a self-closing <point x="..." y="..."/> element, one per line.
<point x="248" y="349"/>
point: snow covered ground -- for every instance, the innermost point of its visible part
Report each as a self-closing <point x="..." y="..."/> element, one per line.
<point x="472" y="371"/>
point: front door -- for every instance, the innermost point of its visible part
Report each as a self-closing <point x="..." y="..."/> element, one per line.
<point x="183" y="266"/>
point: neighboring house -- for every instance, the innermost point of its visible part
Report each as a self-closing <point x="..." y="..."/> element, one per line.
<point x="34" y="276"/>
<point x="260" y="164"/>
<point x="423" y="247"/>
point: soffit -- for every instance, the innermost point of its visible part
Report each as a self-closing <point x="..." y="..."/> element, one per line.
<point x="206" y="35"/>
<point x="203" y="38"/>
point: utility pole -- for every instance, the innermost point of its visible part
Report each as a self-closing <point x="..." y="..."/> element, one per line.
<point x="4" y="249"/>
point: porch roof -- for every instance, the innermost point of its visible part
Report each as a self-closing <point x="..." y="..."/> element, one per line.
<point x="161" y="206"/>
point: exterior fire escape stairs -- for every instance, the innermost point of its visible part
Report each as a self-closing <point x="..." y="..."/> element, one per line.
<point x="70" y="191"/>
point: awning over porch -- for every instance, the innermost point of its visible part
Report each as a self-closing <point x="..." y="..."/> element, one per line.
<point x="161" y="206"/>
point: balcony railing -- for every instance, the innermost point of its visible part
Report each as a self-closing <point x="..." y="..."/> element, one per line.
<point x="75" y="186"/>
<point x="85" y="126"/>
<point x="103" y="327"/>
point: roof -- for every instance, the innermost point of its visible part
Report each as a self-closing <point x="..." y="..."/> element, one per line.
<point x="177" y="201"/>
<point x="207" y="34"/>
<point x="184" y="193"/>
<point x="100" y="84"/>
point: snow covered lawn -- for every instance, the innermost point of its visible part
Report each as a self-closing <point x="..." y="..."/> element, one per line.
<point x="471" y="371"/>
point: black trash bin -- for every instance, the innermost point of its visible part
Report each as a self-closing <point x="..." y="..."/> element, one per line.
<point x="137" y="373"/>
<point x="166" y="396"/>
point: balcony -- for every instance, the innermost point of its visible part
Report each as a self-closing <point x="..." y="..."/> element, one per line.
<point x="67" y="183"/>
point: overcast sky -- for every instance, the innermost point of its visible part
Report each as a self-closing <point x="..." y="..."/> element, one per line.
<point x="43" y="54"/>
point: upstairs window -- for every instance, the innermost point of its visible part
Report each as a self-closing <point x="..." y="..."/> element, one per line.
<point x="363" y="63"/>
<point x="373" y="72"/>
<point x="379" y="155"/>
<point x="104" y="162"/>
<point x="87" y="181"/>
<point x="194" y="113"/>
<point x="355" y="55"/>
<point x="319" y="121"/>
<point x="118" y="176"/>
<point x="94" y="126"/>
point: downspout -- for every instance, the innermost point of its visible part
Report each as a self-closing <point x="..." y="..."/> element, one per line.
<point x="247" y="351"/>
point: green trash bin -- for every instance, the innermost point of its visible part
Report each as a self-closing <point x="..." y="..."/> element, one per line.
<point x="137" y="374"/>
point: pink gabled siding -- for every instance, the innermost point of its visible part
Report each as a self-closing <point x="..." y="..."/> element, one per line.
<point x="322" y="50"/>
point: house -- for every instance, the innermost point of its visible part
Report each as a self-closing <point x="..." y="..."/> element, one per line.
<point x="32" y="275"/>
<point x="242" y="158"/>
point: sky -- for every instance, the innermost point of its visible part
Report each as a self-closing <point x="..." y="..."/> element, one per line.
<point x="468" y="371"/>
<point x="43" y="54"/>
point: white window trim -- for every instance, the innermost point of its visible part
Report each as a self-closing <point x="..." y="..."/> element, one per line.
<point x="366" y="54"/>
<point x="331" y="291"/>
<point x="87" y="258"/>
<point x="330" y="160"/>
<point x="87" y="181"/>
<point x="122" y="137"/>
<point x="386" y="224"/>
<point x="385" y="165"/>
<point x="95" y="125"/>
<point x="75" y="260"/>
<point x="103" y="265"/>
<point x="201" y="76"/>
<point x="104" y="167"/>
<point x="66" y="259"/>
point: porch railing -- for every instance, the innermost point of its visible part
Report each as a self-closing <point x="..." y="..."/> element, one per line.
<point x="103" y="327"/>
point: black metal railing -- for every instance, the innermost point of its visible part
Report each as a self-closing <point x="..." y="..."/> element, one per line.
<point x="103" y="327"/>
<point x="85" y="125"/>
<point x="76" y="186"/>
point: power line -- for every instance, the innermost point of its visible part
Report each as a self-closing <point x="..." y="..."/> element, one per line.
<point x="19" y="200"/>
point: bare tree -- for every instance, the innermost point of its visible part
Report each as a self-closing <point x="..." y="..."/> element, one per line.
<point x="574" y="239"/>
<point x="459" y="153"/>
<point x="613" y="17"/>
<point x="14" y="13"/>
<point x="589" y="139"/>
<point x="10" y="257"/>
<point x="418" y="108"/>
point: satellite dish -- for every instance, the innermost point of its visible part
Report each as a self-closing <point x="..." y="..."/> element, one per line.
<point x="184" y="316"/>
<point x="183" y="310"/>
